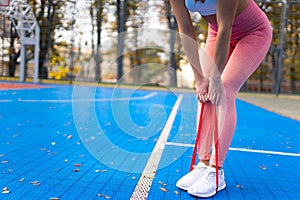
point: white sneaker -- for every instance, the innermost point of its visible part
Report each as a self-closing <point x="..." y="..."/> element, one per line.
<point x="206" y="187"/>
<point x="190" y="178"/>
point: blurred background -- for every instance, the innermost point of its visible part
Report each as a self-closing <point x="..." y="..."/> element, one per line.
<point x="99" y="41"/>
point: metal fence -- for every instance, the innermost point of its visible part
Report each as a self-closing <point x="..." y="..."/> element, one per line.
<point x="280" y="71"/>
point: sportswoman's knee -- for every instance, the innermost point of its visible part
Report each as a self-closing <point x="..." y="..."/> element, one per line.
<point x="230" y="89"/>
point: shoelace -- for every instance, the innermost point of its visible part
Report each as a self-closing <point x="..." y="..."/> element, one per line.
<point x="211" y="177"/>
<point x="198" y="168"/>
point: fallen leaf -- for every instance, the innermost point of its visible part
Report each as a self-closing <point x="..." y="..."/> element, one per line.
<point x="263" y="167"/>
<point x="103" y="195"/>
<point x="35" y="183"/>
<point x="5" y="190"/>
<point x="21" y="180"/>
<point x="239" y="186"/>
<point x="163" y="184"/>
<point x="176" y="192"/>
<point x="77" y="165"/>
<point x="163" y="189"/>
<point x="70" y="136"/>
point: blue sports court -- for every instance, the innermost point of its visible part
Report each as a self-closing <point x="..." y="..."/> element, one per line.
<point x="87" y="142"/>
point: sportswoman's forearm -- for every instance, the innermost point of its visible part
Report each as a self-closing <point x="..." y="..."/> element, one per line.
<point x="221" y="49"/>
<point x="188" y="36"/>
<point x="190" y="46"/>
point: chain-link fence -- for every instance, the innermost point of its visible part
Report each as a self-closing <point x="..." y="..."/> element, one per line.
<point x="76" y="50"/>
<point x="280" y="71"/>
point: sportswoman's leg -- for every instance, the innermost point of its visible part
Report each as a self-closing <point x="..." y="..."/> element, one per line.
<point x="244" y="60"/>
<point x="206" y="136"/>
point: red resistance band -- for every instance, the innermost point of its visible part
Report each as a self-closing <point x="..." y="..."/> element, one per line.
<point x="215" y="141"/>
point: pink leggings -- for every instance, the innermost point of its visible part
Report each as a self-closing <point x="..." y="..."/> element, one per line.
<point x="250" y="40"/>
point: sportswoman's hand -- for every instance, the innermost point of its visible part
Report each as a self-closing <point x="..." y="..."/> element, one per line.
<point x="202" y="89"/>
<point x="215" y="88"/>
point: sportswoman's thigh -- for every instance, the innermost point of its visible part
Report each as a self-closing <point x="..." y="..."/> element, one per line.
<point x="246" y="57"/>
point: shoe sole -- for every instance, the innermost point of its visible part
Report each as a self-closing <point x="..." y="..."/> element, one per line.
<point x="182" y="188"/>
<point x="209" y="195"/>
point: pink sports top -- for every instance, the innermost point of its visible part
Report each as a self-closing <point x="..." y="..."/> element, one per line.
<point x="209" y="7"/>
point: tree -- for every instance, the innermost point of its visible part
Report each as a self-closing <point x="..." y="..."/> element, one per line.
<point x="97" y="14"/>
<point x="121" y="18"/>
<point x="14" y="52"/>
<point x="285" y="45"/>
<point x="172" y="27"/>
<point x="292" y="46"/>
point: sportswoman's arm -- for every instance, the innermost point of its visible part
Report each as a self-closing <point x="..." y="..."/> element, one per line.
<point x="226" y="12"/>
<point x="190" y="45"/>
<point x="187" y="34"/>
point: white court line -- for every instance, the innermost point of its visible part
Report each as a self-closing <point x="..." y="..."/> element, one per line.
<point x="144" y="184"/>
<point x="88" y="100"/>
<point x="5" y="101"/>
<point x="242" y="149"/>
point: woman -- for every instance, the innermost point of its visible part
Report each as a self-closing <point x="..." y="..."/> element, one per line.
<point x="239" y="37"/>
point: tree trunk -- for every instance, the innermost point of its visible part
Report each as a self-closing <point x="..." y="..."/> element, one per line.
<point x="121" y="9"/>
<point x="98" y="51"/>
<point x="173" y="64"/>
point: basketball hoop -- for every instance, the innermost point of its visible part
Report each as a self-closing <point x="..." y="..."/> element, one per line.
<point x="4" y="3"/>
